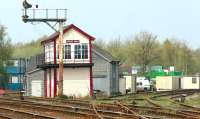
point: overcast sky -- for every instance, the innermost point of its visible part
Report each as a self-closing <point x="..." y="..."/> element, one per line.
<point x="109" y="19"/>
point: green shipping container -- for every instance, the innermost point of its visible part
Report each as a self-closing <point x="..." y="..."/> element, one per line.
<point x="154" y="74"/>
<point x="175" y="73"/>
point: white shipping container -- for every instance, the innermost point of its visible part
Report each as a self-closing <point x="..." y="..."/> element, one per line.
<point x="190" y="83"/>
<point x="167" y="83"/>
<point x="130" y="83"/>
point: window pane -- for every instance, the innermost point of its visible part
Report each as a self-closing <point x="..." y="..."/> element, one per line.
<point x="77" y="52"/>
<point x="194" y="80"/>
<point x="84" y="51"/>
<point x="67" y="52"/>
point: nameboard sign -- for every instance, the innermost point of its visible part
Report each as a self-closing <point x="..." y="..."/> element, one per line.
<point x="72" y="41"/>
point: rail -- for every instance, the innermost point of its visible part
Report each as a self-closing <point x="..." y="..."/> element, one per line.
<point x="104" y="111"/>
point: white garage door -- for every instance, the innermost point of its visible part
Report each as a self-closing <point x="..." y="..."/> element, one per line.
<point x="36" y="89"/>
<point x="78" y="88"/>
<point x="76" y="82"/>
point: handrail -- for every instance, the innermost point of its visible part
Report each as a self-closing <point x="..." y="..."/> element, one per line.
<point x="44" y="14"/>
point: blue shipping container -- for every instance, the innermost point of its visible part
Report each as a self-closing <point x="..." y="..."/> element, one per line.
<point x="15" y="86"/>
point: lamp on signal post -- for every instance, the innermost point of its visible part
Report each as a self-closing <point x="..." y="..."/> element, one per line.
<point x="26" y="6"/>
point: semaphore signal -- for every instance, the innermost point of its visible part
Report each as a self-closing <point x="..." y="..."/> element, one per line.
<point x="47" y="16"/>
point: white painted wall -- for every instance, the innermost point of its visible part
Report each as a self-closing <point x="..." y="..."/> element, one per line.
<point x="128" y="82"/>
<point x="76" y="82"/>
<point x="102" y="84"/>
<point x="74" y="35"/>
<point x="36" y="88"/>
<point x="167" y="83"/>
<point x="52" y="83"/>
<point x="122" y="85"/>
<point x="186" y="83"/>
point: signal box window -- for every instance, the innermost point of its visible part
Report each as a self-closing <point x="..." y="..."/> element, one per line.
<point x="77" y="49"/>
<point x="67" y="52"/>
<point x="84" y="51"/>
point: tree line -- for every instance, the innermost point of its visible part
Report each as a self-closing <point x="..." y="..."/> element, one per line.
<point x="145" y="50"/>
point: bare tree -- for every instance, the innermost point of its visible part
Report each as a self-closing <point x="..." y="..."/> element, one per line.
<point x="146" y="46"/>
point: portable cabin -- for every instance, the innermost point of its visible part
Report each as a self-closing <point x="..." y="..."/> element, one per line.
<point x="35" y="78"/>
<point x="130" y="83"/>
<point x="122" y="85"/>
<point x="164" y="83"/>
<point x="190" y="82"/>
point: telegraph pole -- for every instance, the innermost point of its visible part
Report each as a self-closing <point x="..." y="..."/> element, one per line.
<point x="47" y="18"/>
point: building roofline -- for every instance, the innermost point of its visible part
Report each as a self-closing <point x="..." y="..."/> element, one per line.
<point x="104" y="54"/>
<point x="55" y="35"/>
<point x="35" y="70"/>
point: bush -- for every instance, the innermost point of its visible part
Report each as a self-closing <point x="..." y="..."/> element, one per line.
<point x="64" y="97"/>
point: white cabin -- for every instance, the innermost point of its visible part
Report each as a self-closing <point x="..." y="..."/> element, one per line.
<point x="190" y="83"/>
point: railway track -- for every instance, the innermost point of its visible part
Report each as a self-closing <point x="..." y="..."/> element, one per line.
<point x="3" y="116"/>
<point x="86" y="109"/>
<point x="175" y="92"/>
<point x="8" y="113"/>
<point x="135" y="115"/>
<point x="147" y="112"/>
<point x="105" y="111"/>
<point x="64" y="110"/>
<point x="154" y="111"/>
<point x="187" y="110"/>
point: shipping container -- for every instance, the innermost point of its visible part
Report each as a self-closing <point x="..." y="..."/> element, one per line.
<point x="130" y="83"/>
<point x="164" y="83"/>
<point x="190" y="83"/>
<point x="122" y="85"/>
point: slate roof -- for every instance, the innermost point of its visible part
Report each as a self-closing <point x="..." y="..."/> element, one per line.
<point x="106" y="55"/>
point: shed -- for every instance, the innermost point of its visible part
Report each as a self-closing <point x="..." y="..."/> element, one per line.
<point x="105" y="71"/>
<point x="35" y="83"/>
<point x="164" y="83"/>
<point x="35" y="78"/>
<point x="190" y="82"/>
